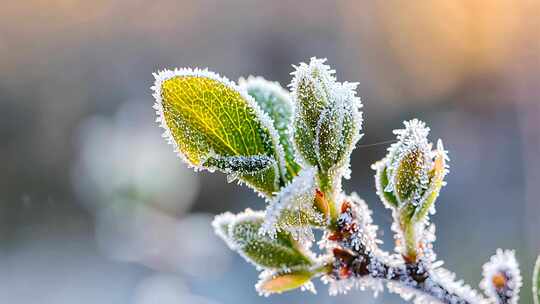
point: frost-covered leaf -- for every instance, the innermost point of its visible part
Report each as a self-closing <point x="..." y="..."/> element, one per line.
<point x="242" y="235"/>
<point x="381" y="182"/>
<point x="276" y="102"/>
<point x="281" y="281"/>
<point x="536" y="281"/>
<point x="327" y="120"/>
<point x="216" y="125"/>
<point x="502" y="278"/>
<point x="293" y="209"/>
<point x="312" y="87"/>
<point x="338" y="127"/>
<point x="221" y="225"/>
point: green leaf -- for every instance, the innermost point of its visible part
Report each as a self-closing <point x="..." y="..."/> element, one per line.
<point x="209" y="118"/>
<point x="536" y="281"/>
<point x="436" y="182"/>
<point x="381" y="182"/>
<point x="304" y="139"/>
<point x="261" y="250"/>
<point x="311" y="87"/>
<point x="283" y="281"/>
<point x="276" y="102"/>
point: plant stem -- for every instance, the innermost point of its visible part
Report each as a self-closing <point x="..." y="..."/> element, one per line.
<point x="406" y="216"/>
<point x="327" y="187"/>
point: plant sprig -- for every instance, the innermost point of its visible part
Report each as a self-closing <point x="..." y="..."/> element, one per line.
<point x="294" y="148"/>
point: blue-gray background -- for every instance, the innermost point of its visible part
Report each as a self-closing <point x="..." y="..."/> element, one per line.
<point x="95" y="208"/>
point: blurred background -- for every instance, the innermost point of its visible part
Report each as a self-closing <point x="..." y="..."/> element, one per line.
<point x="96" y="208"/>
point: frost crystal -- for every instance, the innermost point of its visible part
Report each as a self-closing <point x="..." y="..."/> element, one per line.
<point x="501" y="277"/>
<point x="296" y="197"/>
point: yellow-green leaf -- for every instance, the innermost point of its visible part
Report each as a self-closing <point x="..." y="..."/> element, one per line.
<point x="207" y="117"/>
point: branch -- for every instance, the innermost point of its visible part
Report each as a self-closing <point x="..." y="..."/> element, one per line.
<point x="357" y="260"/>
<point x="409" y="277"/>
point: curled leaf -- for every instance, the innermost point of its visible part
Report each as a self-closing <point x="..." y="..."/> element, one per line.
<point x="209" y="118"/>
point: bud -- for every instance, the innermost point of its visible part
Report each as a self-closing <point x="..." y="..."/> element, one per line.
<point x="411" y="173"/>
<point x="501" y="277"/>
<point x="327" y="119"/>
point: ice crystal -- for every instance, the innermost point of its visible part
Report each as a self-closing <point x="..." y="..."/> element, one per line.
<point x="501" y="277"/>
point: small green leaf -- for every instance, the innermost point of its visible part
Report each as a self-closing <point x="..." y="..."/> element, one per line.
<point x="210" y="120"/>
<point x="536" y="281"/>
<point x="381" y="182"/>
<point x="436" y="182"/>
<point x="276" y="102"/>
<point x="311" y="87"/>
<point x="261" y="250"/>
<point x="304" y="139"/>
<point x="338" y="127"/>
<point x="283" y="281"/>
